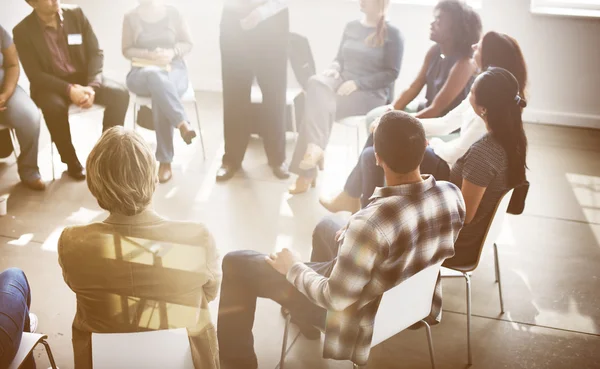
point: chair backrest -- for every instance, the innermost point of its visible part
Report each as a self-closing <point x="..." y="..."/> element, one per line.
<point x="406" y="304"/>
<point x="495" y="224"/>
<point x="28" y="342"/>
<point x="148" y="350"/>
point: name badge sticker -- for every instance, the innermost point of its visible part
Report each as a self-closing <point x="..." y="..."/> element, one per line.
<point x="75" y="39"/>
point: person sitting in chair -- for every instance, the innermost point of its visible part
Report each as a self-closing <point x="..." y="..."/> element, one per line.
<point x="61" y="57"/>
<point x="155" y="39"/>
<point x="411" y="223"/>
<point x="135" y="262"/>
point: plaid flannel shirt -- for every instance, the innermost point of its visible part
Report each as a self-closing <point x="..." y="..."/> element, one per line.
<point x="404" y="230"/>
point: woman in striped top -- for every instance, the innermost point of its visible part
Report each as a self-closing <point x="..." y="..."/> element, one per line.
<point x="495" y="163"/>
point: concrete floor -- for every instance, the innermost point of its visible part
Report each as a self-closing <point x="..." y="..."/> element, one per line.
<point x="550" y="255"/>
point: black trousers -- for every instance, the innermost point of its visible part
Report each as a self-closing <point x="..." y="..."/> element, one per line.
<point x="113" y="96"/>
<point x="247" y="276"/>
<point x="260" y="53"/>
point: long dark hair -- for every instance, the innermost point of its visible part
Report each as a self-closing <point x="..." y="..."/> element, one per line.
<point x="501" y="50"/>
<point x="377" y="38"/>
<point x="497" y="90"/>
<point x="466" y="25"/>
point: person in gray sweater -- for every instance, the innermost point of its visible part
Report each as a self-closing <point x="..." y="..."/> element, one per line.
<point x="360" y="78"/>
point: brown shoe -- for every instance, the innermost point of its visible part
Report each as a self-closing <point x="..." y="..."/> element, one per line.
<point x="164" y="172"/>
<point x="187" y="133"/>
<point x="302" y="185"/>
<point x="36" y="184"/>
<point x="342" y="202"/>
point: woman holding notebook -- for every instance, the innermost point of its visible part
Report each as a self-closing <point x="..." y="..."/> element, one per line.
<point x="156" y="38"/>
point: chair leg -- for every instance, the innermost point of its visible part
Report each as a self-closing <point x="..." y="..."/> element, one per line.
<point x="13" y="138"/>
<point x="294" y="126"/>
<point x="468" y="285"/>
<point x="498" y="277"/>
<point x="200" y="130"/>
<point x="50" y="356"/>
<point x="358" y="141"/>
<point x="134" y="116"/>
<point x="288" y="318"/>
<point x="52" y="159"/>
<point x="430" y="342"/>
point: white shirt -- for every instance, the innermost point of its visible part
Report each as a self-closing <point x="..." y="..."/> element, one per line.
<point x="263" y="9"/>
<point x="472" y="128"/>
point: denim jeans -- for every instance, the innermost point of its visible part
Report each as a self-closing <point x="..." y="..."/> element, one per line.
<point x="165" y="89"/>
<point x="23" y="115"/>
<point x="15" y="299"/>
<point x="247" y="276"/>
<point x="366" y="175"/>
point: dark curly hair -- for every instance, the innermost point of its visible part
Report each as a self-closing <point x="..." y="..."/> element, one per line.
<point x="466" y="25"/>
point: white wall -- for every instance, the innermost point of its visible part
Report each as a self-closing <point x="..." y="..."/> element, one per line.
<point x="563" y="54"/>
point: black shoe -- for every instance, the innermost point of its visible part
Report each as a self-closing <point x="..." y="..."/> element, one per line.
<point x="76" y="172"/>
<point x="226" y="172"/>
<point x="281" y="171"/>
<point x="311" y="333"/>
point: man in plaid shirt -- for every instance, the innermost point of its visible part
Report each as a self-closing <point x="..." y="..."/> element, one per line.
<point x="409" y="225"/>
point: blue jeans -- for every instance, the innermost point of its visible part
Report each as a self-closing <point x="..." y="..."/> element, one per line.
<point x="247" y="276"/>
<point x="165" y="89"/>
<point x="23" y="115"/>
<point x="15" y="299"/>
<point x="366" y="175"/>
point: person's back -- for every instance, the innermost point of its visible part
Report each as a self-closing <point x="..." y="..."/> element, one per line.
<point x="137" y="272"/>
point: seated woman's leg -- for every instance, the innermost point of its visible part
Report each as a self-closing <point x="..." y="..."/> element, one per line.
<point x="15" y="298"/>
<point x="247" y="276"/>
<point x="320" y="105"/>
<point x="165" y="90"/>
<point x="23" y="115"/>
<point x="434" y="165"/>
<point x="372" y="175"/>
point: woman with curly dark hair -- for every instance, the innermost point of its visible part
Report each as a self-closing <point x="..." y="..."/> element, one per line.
<point x="447" y="72"/>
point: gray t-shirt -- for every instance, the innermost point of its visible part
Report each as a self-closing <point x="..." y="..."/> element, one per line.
<point x="485" y="164"/>
<point x="5" y="42"/>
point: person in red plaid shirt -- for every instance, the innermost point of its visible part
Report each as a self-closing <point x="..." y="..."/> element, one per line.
<point x="409" y="225"/>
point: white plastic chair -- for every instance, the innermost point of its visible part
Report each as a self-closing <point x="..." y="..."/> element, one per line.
<point x="149" y="350"/>
<point x="28" y="343"/>
<point x="188" y="97"/>
<point x="357" y="123"/>
<point x="13" y="138"/>
<point x="401" y="307"/>
<point x="256" y="97"/>
<point x="489" y="240"/>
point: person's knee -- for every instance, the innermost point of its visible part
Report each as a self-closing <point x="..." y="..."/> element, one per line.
<point x="53" y="105"/>
<point x="233" y="262"/>
<point x="14" y="273"/>
<point x="155" y="77"/>
<point x="367" y="157"/>
<point x="325" y="229"/>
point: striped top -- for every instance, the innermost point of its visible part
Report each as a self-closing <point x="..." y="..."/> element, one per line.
<point x="486" y="165"/>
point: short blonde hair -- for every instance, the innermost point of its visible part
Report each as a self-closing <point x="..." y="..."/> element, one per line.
<point x="121" y="172"/>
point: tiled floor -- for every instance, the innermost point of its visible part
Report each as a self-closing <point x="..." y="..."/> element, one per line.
<point x="550" y="255"/>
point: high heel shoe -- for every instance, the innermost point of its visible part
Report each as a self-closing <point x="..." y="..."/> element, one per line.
<point x="302" y="185"/>
<point x="341" y="202"/>
<point x="187" y="133"/>
<point x="312" y="158"/>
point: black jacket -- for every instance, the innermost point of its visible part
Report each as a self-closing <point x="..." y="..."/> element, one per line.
<point x="87" y="58"/>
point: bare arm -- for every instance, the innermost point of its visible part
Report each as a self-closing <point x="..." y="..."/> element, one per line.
<point x="472" y="195"/>
<point x="128" y="42"/>
<point x="184" y="37"/>
<point x="459" y="76"/>
<point x="416" y="86"/>
<point x="11" y="71"/>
